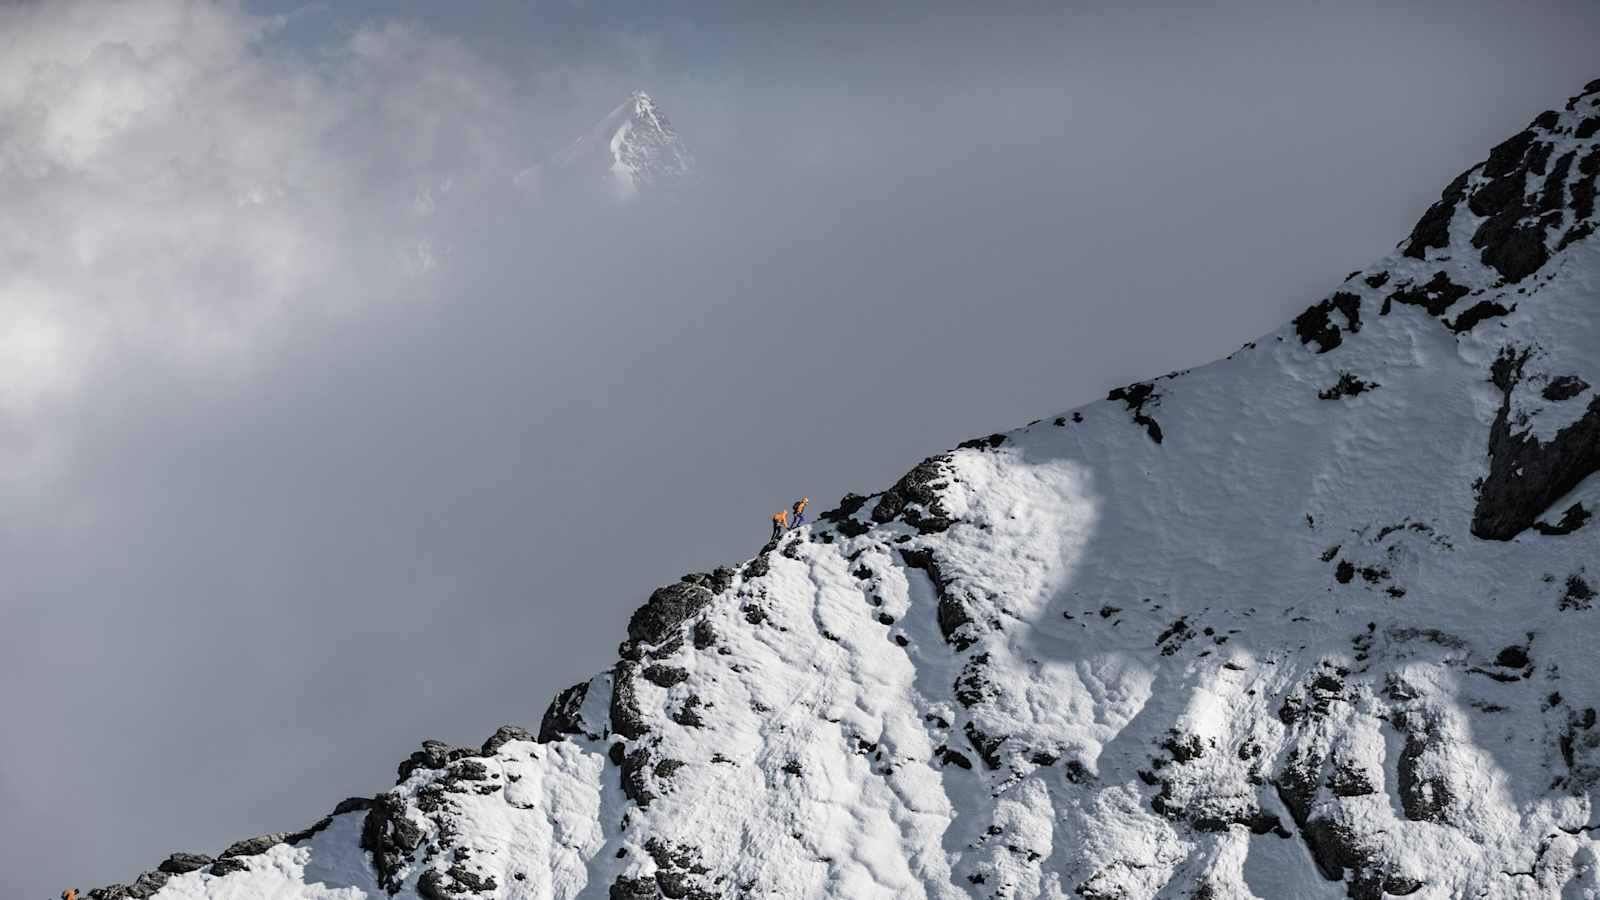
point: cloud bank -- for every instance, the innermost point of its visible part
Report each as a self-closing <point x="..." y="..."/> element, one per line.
<point x="182" y="188"/>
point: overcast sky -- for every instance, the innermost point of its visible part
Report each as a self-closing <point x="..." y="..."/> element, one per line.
<point x="317" y="439"/>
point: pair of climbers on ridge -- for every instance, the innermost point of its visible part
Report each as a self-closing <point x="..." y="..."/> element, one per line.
<point x="780" y="519"/>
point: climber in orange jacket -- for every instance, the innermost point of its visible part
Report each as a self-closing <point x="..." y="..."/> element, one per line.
<point x="800" y="511"/>
<point x="69" y="894"/>
<point x="780" y="523"/>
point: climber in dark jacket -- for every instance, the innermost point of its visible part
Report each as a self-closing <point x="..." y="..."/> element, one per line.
<point x="800" y="511"/>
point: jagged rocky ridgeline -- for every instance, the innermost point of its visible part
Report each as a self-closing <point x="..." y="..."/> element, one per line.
<point x="1314" y="620"/>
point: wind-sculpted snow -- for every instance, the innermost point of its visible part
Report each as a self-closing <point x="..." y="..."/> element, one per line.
<point x="1311" y="621"/>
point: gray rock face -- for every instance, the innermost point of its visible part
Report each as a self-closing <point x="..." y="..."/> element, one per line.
<point x="228" y="866"/>
<point x="562" y="717"/>
<point x="1526" y="475"/>
<point x="433" y="755"/>
<point x="667" y="608"/>
<point x="503" y="735"/>
<point x="255" y="845"/>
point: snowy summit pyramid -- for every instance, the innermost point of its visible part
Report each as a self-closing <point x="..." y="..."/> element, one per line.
<point x="632" y="148"/>
<point x="1312" y="621"/>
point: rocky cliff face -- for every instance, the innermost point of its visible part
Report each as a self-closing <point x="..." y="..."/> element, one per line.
<point x="1314" y="620"/>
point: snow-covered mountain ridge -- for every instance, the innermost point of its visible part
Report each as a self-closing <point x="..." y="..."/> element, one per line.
<point x="1314" y="620"/>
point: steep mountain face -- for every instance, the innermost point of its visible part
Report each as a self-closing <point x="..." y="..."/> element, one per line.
<point x="633" y="148"/>
<point x="1314" y="620"/>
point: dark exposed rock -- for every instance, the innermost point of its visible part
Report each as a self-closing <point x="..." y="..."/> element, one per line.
<point x="987" y="745"/>
<point x="667" y="608"/>
<point x="1348" y="385"/>
<point x="1433" y="229"/>
<point x="1553" y="197"/>
<point x="433" y="755"/>
<point x="304" y="834"/>
<point x="705" y="636"/>
<point x="352" y="804"/>
<point x="1564" y="387"/>
<point x="636" y="767"/>
<point x="1511" y="246"/>
<point x="984" y="443"/>
<point x="253" y="846"/>
<point x="756" y="568"/>
<point x="1377" y="279"/>
<point x="1503" y="159"/>
<point x="1184" y="748"/>
<point x="1344" y="572"/>
<point x="1436" y="296"/>
<point x="1174" y="636"/>
<point x="626" y="718"/>
<point x="918" y="488"/>
<point x="467" y="770"/>
<point x="680" y="874"/>
<point x="629" y="888"/>
<point x="431" y="886"/>
<point x="563" y="715"/>
<point x="227" y="867"/>
<point x="146" y="885"/>
<point x="1345" y="781"/>
<point x="949" y="757"/>
<point x="390" y="837"/>
<point x="1512" y="657"/>
<point x="848" y="506"/>
<point x="1136" y="395"/>
<point x="471" y="881"/>
<point x="972" y="685"/>
<point x="1578" y="593"/>
<point x="665" y="676"/>
<point x="1316" y="323"/>
<point x="503" y="735"/>
<point x="1588" y="128"/>
<point x="1526" y="475"/>
<point x="641" y="772"/>
<point x="454" y="884"/>
<point x="1571" y="521"/>
<point x="179" y="863"/>
<point x="715" y="581"/>
<point x="953" y="615"/>
<point x="1583" y="195"/>
<point x="1423" y="797"/>
<point x="1476" y="314"/>
<point x="689" y="714"/>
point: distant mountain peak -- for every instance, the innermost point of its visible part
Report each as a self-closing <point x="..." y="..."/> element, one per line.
<point x="633" y="148"/>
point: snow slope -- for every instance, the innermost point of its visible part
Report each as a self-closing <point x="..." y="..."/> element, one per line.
<point x="1310" y="621"/>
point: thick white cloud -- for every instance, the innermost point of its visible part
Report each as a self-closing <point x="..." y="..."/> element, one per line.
<point x="179" y="184"/>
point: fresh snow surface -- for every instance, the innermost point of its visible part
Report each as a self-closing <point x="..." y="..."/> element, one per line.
<point x="1215" y="637"/>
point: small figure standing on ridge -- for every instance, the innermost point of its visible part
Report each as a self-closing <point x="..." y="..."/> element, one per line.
<point x="780" y="523"/>
<point x="69" y="894"/>
<point x="800" y="511"/>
